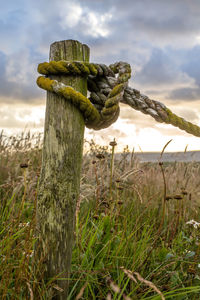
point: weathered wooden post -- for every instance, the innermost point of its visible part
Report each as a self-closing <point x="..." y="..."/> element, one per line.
<point x="61" y="167"/>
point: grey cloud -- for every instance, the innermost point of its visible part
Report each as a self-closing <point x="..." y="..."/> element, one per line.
<point x="192" y="64"/>
<point x="159" y="69"/>
<point x="135" y="26"/>
<point x="145" y="22"/>
<point x="131" y="20"/>
<point x="22" y="90"/>
<point x="13" y="29"/>
<point x="185" y="94"/>
<point x="161" y="18"/>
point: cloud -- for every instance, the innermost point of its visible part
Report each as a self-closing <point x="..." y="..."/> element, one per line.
<point x="14" y="21"/>
<point x="160" y="22"/>
<point x="17" y="78"/>
<point x="160" y="69"/>
<point x="185" y="94"/>
<point x="88" y="22"/>
<point x="149" y="22"/>
<point x="160" y="39"/>
<point x="18" y="117"/>
<point x="192" y="64"/>
<point x="171" y="131"/>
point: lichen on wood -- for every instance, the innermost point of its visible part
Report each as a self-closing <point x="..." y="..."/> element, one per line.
<point x="61" y="167"/>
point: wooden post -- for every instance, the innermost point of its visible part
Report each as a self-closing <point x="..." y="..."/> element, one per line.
<point x="61" y="166"/>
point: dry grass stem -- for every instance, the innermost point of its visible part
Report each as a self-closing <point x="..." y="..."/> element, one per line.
<point x="129" y="274"/>
<point x="30" y="291"/>
<point x="115" y="288"/>
<point x="80" y="294"/>
<point x="56" y="287"/>
<point x="149" y="284"/>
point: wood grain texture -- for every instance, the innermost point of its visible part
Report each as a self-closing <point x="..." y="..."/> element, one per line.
<point x="61" y="167"/>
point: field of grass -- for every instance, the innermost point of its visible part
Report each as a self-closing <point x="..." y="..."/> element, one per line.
<point x="137" y="231"/>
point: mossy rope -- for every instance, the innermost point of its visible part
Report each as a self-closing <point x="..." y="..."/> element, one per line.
<point x="107" y="90"/>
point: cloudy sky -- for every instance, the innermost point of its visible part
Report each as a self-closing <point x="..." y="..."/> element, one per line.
<point x="160" y="39"/>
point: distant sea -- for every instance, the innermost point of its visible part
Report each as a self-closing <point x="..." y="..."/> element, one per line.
<point x="189" y="156"/>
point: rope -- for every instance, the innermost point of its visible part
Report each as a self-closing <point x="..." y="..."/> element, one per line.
<point x="107" y="90"/>
<point x="102" y="108"/>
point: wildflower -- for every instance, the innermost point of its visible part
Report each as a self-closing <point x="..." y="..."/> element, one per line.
<point x="194" y="223"/>
<point x="29" y="254"/>
<point x="24" y="224"/>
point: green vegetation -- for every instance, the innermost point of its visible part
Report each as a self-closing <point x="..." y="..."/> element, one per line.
<point x="131" y="239"/>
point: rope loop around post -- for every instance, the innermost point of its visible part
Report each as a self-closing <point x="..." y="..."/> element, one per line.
<point x="102" y="108"/>
<point x="107" y="90"/>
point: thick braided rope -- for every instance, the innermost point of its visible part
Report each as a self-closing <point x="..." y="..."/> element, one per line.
<point x="84" y="104"/>
<point x="106" y="91"/>
<point x="96" y="115"/>
<point x="158" y="111"/>
<point x="140" y="102"/>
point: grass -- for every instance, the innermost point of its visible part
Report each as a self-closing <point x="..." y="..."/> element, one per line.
<point x="132" y="237"/>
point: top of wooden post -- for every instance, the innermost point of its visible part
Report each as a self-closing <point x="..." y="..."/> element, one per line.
<point x="69" y="50"/>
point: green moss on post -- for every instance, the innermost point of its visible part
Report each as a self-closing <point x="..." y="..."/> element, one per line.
<point x="61" y="166"/>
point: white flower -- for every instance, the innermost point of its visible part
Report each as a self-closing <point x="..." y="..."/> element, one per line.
<point x="194" y="223"/>
<point x="24" y="224"/>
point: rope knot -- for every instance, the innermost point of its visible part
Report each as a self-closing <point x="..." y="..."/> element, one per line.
<point x="101" y="109"/>
<point x="108" y="86"/>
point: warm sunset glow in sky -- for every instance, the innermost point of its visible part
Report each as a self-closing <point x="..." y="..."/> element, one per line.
<point x="160" y="39"/>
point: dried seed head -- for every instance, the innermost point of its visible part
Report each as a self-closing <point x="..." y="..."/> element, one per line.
<point x="118" y="180"/>
<point x="120" y="188"/>
<point x="160" y="163"/>
<point x="100" y="156"/>
<point x="178" y="197"/>
<point x="24" y="165"/>
<point x="94" y="162"/>
<point x="96" y="217"/>
<point x="184" y="192"/>
<point x="120" y="202"/>
<point x="105" y="203"/>
<point x="113" y="143"/>
<point x="169" y="197"/>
